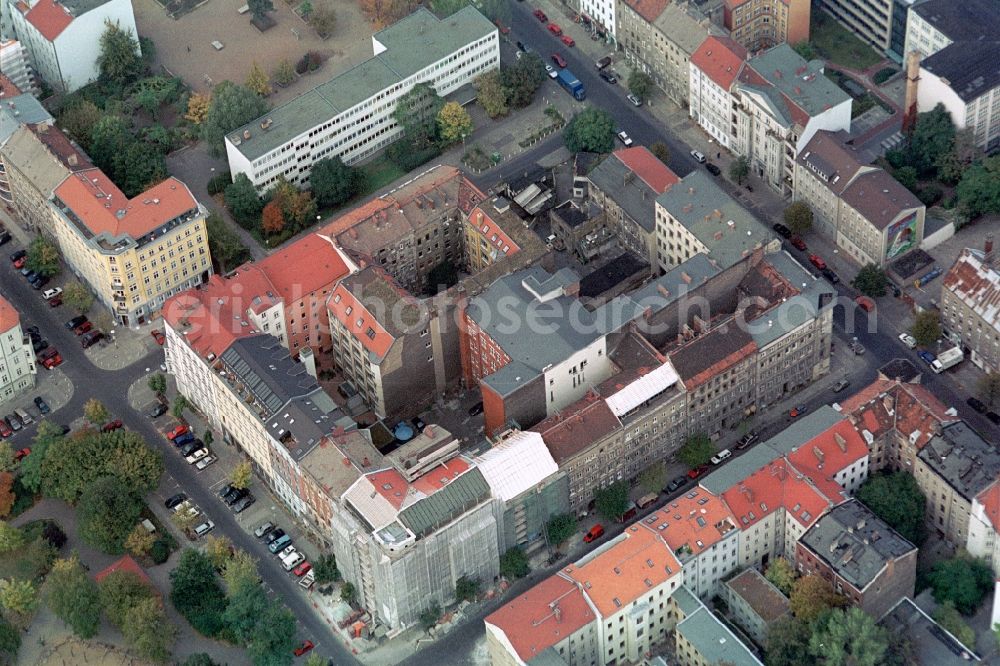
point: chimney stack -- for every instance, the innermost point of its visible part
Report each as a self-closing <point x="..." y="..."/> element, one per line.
<point x="988" y="250"/>
<point x="912" y="78"/>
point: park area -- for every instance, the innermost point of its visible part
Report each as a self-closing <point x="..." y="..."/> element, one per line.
<point x="831" y="41"/>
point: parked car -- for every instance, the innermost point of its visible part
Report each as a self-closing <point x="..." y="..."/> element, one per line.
<point x="608" y="76"/>
<point x="559" y="60"/>
<point x="184" y="439"/>
<point x="926" y="356"/>
<point x="540" y="15"/>
<point x="746" y="440"/>
<point x="39" y="282"/>
<point x="279" y="543"/>
<point x="273" y="535"/>
<point x="857" y="347"/>
<point x="158" y="336"/>
<point x="698" y="156"/>
<point x="798" y="411"/>
<point x="993" y="417"/>
<point x="568" y="41"/>
<point x="21" y="454"/>
<point x="263" y="529"/>
<point x="159" y="410"/>
<point x="287" y="552"/>
<point x="633" y="99"/>
<point x="14" y="422"/>
<point x="712" y="169"/>
<point x="721" y="455"/>
<point x="243" y="503"/>
<point x="55" y="301"/>
<point x="292" y="561"/>
<point x="594" y="533"/>
<point x="174" y="500"/>
<point x="303" y="569"/>
<point x="695" y="472"/>
<point x="39" y="345"/>
<point x="205" y="462"/>
<point x="603" y="62"/>
<point x="865" y="303"/>
<point x="91" y="338"/>
<point x="555" y="29"/>
<point x="75" y="321"/>
<point x="830" y="275"/>
<point x="782" y="230"/>
<point x="236" y="496"/>
<point x="204" y="528"/>
<point x="302" y="649"/>
<point x="908" y="340"/>
<point x="111" y="425"/>
<point x="42" y="406"/>
<point x="50" y="358"/>
<point x="19" y="254"/>
<point x="177" y="432"/>
<point x="20" y="261"/>
<point x="191" y="447"/>
<point x="84" y="327"/>
<point x="624" y="138"/>
<point x="817" y="261"/>
<point x="196" y="455"/>
<point x="553" y="74"/>
<point x="5" y="430"/>
<point x="51" y="293"/>
<point x="798" y="243"/>
<point x="677" y="483"/>
<point x="841" y="385"/>
<point x="476" y="409"/>
<point x="976" y="404"/>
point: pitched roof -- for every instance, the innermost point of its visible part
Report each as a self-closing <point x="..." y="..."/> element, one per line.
<point x="685" y="25"/>
<point x="576" y="427"/>
<point x="648" y="9"/>
<point x="692" y="523"/>
<point x="374" y="309"/>
<point x="126" y="563"/>
<point x="648" y="167"/>
<point x="305" y="266"/>
<point x="775" y="485"/>
<point x="709" y="354"/>
<point x="624" y="569"/>
<point x="960" y="456"/>
<point x="515" y="464"/>
<point x="544" y="615"/>
<point x="714" y="641"/>
<point x="720" y="59"/>
<point x="930" y="643"/>
<point x="796" y="89"/>
<point x="102" y="208"/>
<point x="50" y="18"/>
<point x="9" y="317"/>
<point x="879" y="197"/>
<point x="990" y="499"/>
<point x="765" y="599"/>
<point x="834" y="447"/>
<point x="977" y="285"/>
<point x="910" y="409"/>
<point x="633" y="194"/>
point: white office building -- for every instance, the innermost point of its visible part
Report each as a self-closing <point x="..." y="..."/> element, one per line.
<point x="351" y="115"/>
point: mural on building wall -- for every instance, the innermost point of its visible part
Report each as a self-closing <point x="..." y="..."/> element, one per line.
<point x="902" y="236"/>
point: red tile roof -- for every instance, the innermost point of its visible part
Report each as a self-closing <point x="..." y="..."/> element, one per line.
<point x="976" y="285"/>
<point x="542" y="617"/>
<point x="50" y="18"/>
<point x="626" y="570"/>
<point x="720" y="58"/>
<point x="9" y="318"/>
<point x="349" y="311"/>
<point x="990" y="499"/>
<point x="577" y="426"/>
<point x="648" y="167"/>
<point x="304" y="267"/>
<point x="909" y="408"/>
<point x="103" y="208"/>
<point x="828" y="453"/>
<point x="491" y="230"/>
<point x="678" y="522"/>
<point x="7" y="87"/>
<point x="776" y="485"/>
<point x="126" y="563"/>
<point x="648" y="9"/>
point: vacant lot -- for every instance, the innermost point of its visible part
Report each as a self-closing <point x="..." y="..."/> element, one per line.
<point x="834" y="42"/>
<point x="184" y="46"/>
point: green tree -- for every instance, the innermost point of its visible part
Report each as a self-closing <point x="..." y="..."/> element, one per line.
<point x="152" y="92"/>
<point x="73" y="596"/>
<point x="180" y="404"/>
<point x="7" y="461"/>
<point x="962" y="580"/>
<point x="348" y="593"/>
<point x="31" y="467"/>
<point x="43" y="256"/>
<point x="849" y="638"/>
<point x="119" y="62"/>
<point x="108" y="139"/>
<point x="11" y="537"/>
<point x="139" y="541"/>
<point x="246" y="605"/>
<point x="430" y="616"/>
<point x="926" y="327"/>
<point x="798" y="217"/>
<point x="78" y="119"/>
<point x="137" y="168"/>
<point x="496" y="10"/>
<point x="640" y="84"/>
<point x="18" y="597"/>
<point x="871" y="280"/>
<point x="979" y="190"/>
<point x="805" y="49"/>
<point x="592" y="130"/>
<point x="788" y="643"/>
<point x="72" y="463"/>
<point x="95" y="412"/>
<point x="196" y="594"/>
<point x="333" y="182"/>
<point x="522" y="80"/>
<point x="661" y="151"/>
<point x="77" y="297"/>
<point x="158" y="383"/>
<point x="228" y="251"/>
<point x="208" y="438"/>
<point x="325" y="569"/>
<point x="560" y="527"/>
<point x="232" y="106"/>
<point x="897" y="499"/>
<point x="243" y="202"/>
<point x="239" y="571"/>
<point x="612" y="502"/>
<point x="467" y="589"/>
<point x="274" y="637"/>
<point x="148" y="631"/>
<point x="949" y="618"/>
<point x="283" y="74"/>
<point x="260" y="8"/>
<point x="907" y="177"/>
<point x="258" y="81"/>
<point x="697" y="450"/>
<point x="454" y="123"/>
<point x="199" y="659"/>
<point x="491" y="94"/>
<point x="514" y="564"/>
<point x="445" y="8"/>
<point x="988" y="388"/>
<point x="241" y="475"/>
<point x="782" y="575"/>
<point x="933" y="136"/>
<point x="739" y="169"/>
<point x="119" y="592"/>
<point x="963" y="153"/>
<point x="811" y="597"/>
<point x="416" y="112"/>
<point x="653" y="477"/>
<point x="10" y="641"/>
<point x="323" y="19"/>
<point x="107" y="512"/>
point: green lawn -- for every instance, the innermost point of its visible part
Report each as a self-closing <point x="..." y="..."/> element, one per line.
<point x="379" y="173"/>
<point x="835" y="43"/>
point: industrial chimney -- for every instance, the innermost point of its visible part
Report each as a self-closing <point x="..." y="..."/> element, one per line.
<point x="912" y="78"/>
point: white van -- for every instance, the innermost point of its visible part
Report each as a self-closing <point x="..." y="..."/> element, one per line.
<point x="23" y="415"/>
<point x="204" y="528"/>
<point x="721" y="455"/>
<point x="293" y="560"/>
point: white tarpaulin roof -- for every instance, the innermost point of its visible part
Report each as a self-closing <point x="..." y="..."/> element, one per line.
<point x="642" y="389"/>
<point x="517" y="463"/>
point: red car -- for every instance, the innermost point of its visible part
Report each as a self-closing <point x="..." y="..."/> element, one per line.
<point x="559" y="60"/>
<point x="540" y="15"/>
<point x="21" y="454"/>
<point x="5" y="430"/>
<point x="158" y="336"/>
<point x="504" y="30"/>
<point x="177" y="432"/>
<point x="555" y="29"/>
<point x="50" y="358"/>
<point x="83" y="328"/>
<point x="302" y="569"/>
<point x="797" y="243"/>
<point x="797" y="411"/>
<point x="817" y="261"/>
<point x="111" y="425"/>
<point x="302" y="649"/>
<point x="55" y="301"/>
<point x="697" y="471"/>
<point x="596" y="532"/>
<point x="19" y="263"/>
<point x="568" y="41"/>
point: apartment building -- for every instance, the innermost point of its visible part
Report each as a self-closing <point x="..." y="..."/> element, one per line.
<point x="755" y="604"/>
<point x="937" y="645"/>
<point x="626" y="185"/>
<point x="701" y="639"/>
<point x="602" y="18"/>
<point x="36" y="159"/>
<point x="16" y="109"/>
<point x="15" y="65"/>
<point x="533" y="348"/>
<point x="867" y="212"/>
<point x="933" y="25"/>
<point x="659" y="37"/>
<point x="779" y="101"/>
<point x="952" y="469"/>
<point x="714" y="67"/>
<point x="969" y="88"/>
<point x="132" y="253"/>
<point x="861" y="557"/>
<point x="828" y="449"/>
<point x="984" y="520"/>
<point x="62" y="37"/>
<point x="17" y="359"/>
<point x="881" y="23"/>
<point x="761" y="25"/>
<point x="351" y="115"/>
<point x="969" y="316"/>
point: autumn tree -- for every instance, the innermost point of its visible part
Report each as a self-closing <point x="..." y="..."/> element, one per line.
<point x="77" y="297"/>
<point x="242" y="475"/>
<point x="782" y="575"/>
<point x="73" y="596"/>
<point x="454" y="123"/>
<point x="798" y="217"/>
<point x="95" y="412"/>
<point x="661" y="151"/>
<point x="218" y="550"/>
<point x="491" y="94"/>
<point x="7" y="496"/>
<point x="283" y="74"/>
<point x="18" y="597"/>
<point x="383" y="12"/>
<point x="323" y="19"/>
<point x="258" y="81"/>
<point x="272" y="220"/>
<point x="197" y="109"/>
<point x="926" y="327"/>
<point x="811" y="596"/>
<point x="139" y="541"/>
<point x="11" y="537"/>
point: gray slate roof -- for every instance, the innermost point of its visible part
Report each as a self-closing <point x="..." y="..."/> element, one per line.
<point x="457" y="497"/>
<point x="627" y="189"/>
<point x="705" y="210"/>
<point x="20" y="110"/>
<point x="714" y="641"/>
<point x="795" y="311"/>
<point x="962" y="458"/>
<point x="794" y="80"/>
<point x="961" y="20"/>
<point x="676" y="282"/>
<point x="855" y="542"/>
<point x="930" y="644"/>
<point x="971" y="68"/>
